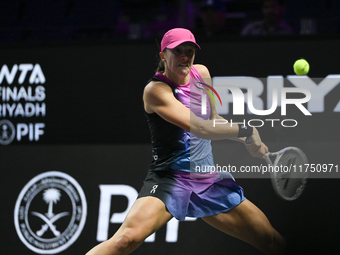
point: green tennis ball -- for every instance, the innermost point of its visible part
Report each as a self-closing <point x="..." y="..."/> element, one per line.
<point x="301" y="67"/>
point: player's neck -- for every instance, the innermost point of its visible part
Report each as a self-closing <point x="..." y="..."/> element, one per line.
<point x="177" y="79"/>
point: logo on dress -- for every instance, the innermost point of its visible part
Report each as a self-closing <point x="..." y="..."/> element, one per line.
<point x="50" y="213"/>
<point x="7" y="132"/>
<point x="205" y="87"/>
<point x="179" y="91"/>
<point x="154" y="189"/>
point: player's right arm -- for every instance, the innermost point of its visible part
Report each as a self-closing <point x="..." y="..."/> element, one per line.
<point x="158" y="97"/>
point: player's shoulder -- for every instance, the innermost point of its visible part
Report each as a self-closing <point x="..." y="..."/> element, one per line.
<point x="154" y="88"/>
<point x="203" y="70"/>
<point x="157" y="85"/>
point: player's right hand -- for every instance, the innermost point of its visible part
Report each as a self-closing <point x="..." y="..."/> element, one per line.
<point x="255" y="146"/>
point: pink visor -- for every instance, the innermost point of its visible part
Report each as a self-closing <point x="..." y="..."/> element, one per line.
<point x="177" y="36"/>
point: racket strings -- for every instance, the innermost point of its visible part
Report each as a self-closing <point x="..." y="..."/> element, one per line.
<point x="292" y="177"/>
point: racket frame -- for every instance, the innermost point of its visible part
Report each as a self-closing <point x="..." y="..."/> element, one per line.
<point x="273" y="174"/>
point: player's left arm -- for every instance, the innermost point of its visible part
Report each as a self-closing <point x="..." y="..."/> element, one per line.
<point x="255" y="151"/>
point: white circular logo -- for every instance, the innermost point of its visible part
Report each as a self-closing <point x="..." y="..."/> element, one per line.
<point x="50" y="212"/>
<point x="7" y="132"/>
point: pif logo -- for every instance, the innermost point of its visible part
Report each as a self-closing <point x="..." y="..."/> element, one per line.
<point x="50" y="212"/>
<point x="7" y="132"/>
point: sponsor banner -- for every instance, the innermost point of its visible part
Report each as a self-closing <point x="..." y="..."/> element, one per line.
<point x="84" y="201"/>
<point x="22" y="100"/>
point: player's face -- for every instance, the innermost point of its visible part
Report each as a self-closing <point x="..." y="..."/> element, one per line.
<point x="180" y="59"/>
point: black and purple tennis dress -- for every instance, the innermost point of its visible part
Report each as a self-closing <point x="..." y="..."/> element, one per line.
<point x="174" y="175"/>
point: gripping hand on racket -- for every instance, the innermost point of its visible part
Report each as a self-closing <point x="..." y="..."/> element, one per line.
<point x="255" y="146"/>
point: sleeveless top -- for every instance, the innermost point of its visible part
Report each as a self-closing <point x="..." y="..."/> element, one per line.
<point x="172" y="146"/>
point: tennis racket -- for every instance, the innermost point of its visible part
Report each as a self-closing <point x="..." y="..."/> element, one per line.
<point x="288" y="172"/>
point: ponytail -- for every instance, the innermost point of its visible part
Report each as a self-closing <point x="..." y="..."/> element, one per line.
<point x="161" y="67"/>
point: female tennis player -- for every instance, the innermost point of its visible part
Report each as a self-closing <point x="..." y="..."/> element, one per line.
<point x="181" y="144"/>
